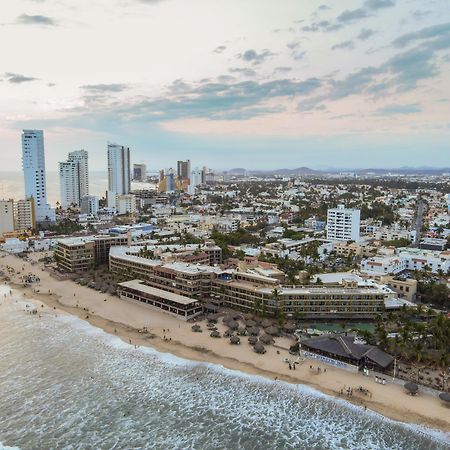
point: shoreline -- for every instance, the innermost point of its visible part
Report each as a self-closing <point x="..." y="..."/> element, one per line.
<point x="389" y="401"/>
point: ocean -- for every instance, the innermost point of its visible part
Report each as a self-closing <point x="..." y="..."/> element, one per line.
<point x="65" y="384"/>
<point x="12" y="185"/>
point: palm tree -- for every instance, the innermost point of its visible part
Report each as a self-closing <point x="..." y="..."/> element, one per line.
<point x="418" y="349"/>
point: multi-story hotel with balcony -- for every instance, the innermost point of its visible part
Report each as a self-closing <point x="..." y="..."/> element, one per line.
<point x="248" y="292"/>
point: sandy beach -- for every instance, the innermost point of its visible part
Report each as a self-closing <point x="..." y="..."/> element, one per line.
<point x="171" y="335"/>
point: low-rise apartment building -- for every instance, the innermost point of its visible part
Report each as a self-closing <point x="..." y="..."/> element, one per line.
<point x="407" y="259"/>
<point x="79" y="254"/>
<point x="404" y="287"/>
<point x="351" y="248"/>
<point x="75" y="254"/>
<point x="383" y="265"/>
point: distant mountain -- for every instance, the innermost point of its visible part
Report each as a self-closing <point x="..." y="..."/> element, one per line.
<point x="237" y="171"/>
<point x="287" y="172"/>
<point x="406" y="171"/>
<point x="306" y="171"/>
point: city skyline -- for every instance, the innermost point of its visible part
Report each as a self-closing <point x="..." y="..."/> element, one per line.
<point x="316" y="84"/>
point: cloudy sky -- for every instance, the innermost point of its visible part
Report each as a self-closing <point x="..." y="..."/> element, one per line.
<point x="229" y="83"/>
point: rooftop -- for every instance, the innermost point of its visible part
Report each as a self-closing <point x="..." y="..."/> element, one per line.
<point x="139" y="286"/>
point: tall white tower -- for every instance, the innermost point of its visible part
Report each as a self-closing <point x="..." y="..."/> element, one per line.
<point x="69" y="183"/>
<point x="33" y="163"/>
<point x="119" y="169"/>
<point x="195" y="180"/>
<point x="74" y="178"/>
<point x="82" y="158"/>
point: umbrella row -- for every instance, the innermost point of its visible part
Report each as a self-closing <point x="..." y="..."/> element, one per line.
<point x="413" y="389"/>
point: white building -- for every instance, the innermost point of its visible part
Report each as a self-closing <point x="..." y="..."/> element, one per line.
<point x="408" y="259"/>
<point x="417" y="259"/>
<point x="24" y="215"/>
<point x="15" y="245"/>
<point x="81" y="157"/>
<point x="89" y="205"/>
<point x="386" y="265"/>
<point x="69" y="183"/>
<point x="6" y="216"/>
<point x="195" y="180"/>
<point x="33" y="163"/>
<point x="119" y="169"/>
<point x="111" y="199"/>
<point x="343" y="224"/>
<point x="227" y="225"/>
<point x="126" y="204"/>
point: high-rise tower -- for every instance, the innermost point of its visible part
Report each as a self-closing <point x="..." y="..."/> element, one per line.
<point x="74" y="178"/>
<point x="119" y="169"/>
<point x="33" y="163"/>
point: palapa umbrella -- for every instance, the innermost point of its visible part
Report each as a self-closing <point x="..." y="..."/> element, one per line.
<point x="412" y="388"/>
<point x="235" y="340"/>
<point x="266" y="323"/>
<point x="215" y="334"/>
<point x="289" y="327"/>
<point x="250" y="323"/>
<point x="196" y="328"/>
<point x="445" y="397"/>
<point x="266" y="339"/>
<point x="212" y="318"/>
<point x="242" y="331"/>
<point x="254" y="331"/>
<point x="259" y="348"/>
<point x="273" y="331"/>
<point x="228" y="333"/>
<point x="252" y="340"/>
<point x="237" y="317"/>
<point x="227" y="319"/>
<point x="211" y="307"/>
<point x="234" y="325"/>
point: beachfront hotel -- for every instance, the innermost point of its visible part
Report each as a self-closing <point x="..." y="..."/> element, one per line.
<point x="248" y="292"/>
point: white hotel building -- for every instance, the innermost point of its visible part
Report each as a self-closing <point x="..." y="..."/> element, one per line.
<point x="33" y="163"/>
<point x="343" y="224"/>
<point x="74" y="178"/>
